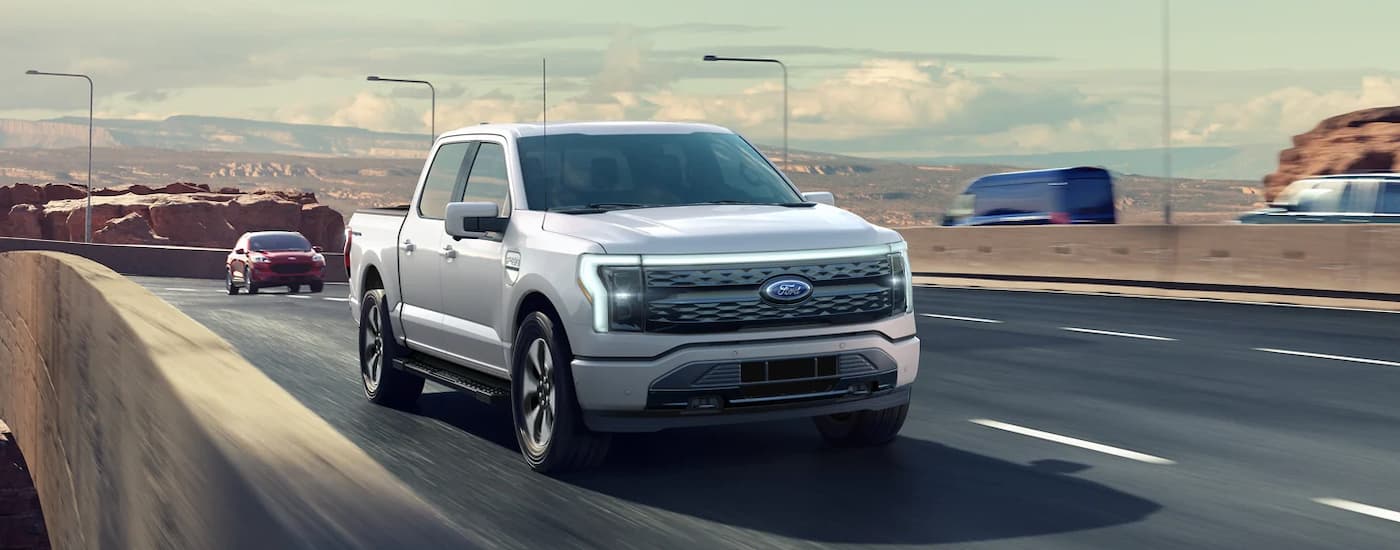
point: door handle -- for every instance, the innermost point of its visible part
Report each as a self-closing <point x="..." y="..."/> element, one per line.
<point x="449" y="252"/>
<point x="408" y="245"/>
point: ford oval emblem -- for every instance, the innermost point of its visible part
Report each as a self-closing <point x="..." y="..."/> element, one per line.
<point x="787" y="290"/>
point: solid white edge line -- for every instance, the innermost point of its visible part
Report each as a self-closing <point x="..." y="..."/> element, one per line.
<point x="1146" y="297"/>
<point x="1065" y="440"/>
<point x="298" y="296"/>
<point x="175" y="289"/>
<point x="337" y="299"/>
<point x="1364" y="509"/>
<point x="957" y="318"/>
<point x="1332" y="357"/>
<point x="1121" y="334"/>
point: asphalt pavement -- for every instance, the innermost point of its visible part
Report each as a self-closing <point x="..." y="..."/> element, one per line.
<point x="1039" y="421"/>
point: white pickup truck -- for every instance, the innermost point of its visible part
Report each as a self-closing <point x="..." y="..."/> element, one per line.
<point x="631" y="277"/>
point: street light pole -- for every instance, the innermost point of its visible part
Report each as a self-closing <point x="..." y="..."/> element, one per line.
<point x="785" y="92"/>
<point x="87" y="222"/>
<point x="432" y="94"/>
<point x="1167" y="111"/>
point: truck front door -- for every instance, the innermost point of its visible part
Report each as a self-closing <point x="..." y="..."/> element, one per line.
<point x="421" y="255"/>
<point x="473" y="279"/>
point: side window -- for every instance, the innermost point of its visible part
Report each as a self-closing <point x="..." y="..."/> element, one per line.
<point x="1390" y="199"/>
<point x="489" y="180"/>
<point x="1360" y="197"/>
<point x="442" y="180"/>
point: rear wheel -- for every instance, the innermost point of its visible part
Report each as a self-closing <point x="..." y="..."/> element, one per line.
<point x="293" y="289"/>
<point x="228" y="282"/>
<point x="383" y="384"/>
<point x="548" y="421"/>
<point x="862" y="428"/>
<point x="317" y="286"/>
<point x="248" y="282"/>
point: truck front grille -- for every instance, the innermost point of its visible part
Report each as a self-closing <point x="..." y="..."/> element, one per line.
<point x="727" y="298"/>
<point x="743" y="276"/>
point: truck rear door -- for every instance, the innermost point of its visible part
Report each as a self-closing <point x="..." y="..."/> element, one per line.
<point x="421" y="254"/>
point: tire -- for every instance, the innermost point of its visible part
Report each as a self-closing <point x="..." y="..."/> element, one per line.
<point x="293" y="289"/>
<point x="548" y="421"/>
<point x="383" y="384"/>
<point x="228" y="283"/>
<point x="248" y="282"/>
<point x="317" y="286"/>
<point x="862" y="428"/>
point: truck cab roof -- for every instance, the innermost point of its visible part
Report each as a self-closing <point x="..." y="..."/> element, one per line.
<point x="533" y="129"/>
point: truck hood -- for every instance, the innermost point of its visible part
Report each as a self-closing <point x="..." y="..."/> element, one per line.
<point x="710" y="229"/>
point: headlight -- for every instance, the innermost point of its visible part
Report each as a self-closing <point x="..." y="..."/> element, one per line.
<point x="902" y="283"/>
<point x="318" y="258"/>
<point x="261" y="259"/>
<point x="613" y="284"/>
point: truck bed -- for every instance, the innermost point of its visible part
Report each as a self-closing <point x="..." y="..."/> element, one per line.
<point x="399" y="210"/>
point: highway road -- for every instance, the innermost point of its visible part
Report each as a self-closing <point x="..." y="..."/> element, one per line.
<point x="1039" y="421"/>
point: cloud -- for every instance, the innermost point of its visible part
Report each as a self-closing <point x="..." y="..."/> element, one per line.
<point x="1282" y="112"/>
<point x="418" y="91"/>
<point x="148" y="96"/>
<point x="376" y="112"/>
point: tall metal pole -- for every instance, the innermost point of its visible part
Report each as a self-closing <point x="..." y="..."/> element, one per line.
<point x="87" y="222"/>
<point x="1167" y="112"/>
<point x="785" y="92"/>
<point x="433" y="95"/>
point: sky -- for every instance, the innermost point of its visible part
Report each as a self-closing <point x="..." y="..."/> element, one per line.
<point x="890" y="78"/>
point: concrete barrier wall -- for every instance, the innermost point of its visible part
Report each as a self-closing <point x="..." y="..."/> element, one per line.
<point x="157" y="261"/>
<point x="1329" y="258"/>
<point x="143" y="429"/>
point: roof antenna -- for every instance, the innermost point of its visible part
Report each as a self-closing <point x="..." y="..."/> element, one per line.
<point x="544" y="98"/>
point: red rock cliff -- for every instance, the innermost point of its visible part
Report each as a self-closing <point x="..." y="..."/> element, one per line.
<point x="1366" y="140"/>
<point x="181" y="214"/>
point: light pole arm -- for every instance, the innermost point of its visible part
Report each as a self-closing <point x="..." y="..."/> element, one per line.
<point x="87" y="222"/>
<point x="785" y="92"/>
<point x="432" y="124"/>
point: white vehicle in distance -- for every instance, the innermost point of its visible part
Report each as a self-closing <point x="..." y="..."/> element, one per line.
<point x="631" y="277"/>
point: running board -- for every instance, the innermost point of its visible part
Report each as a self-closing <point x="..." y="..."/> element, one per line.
<point x="486" y="388"/>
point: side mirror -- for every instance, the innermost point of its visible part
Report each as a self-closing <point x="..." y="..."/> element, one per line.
<point x="820" y="197"/>
<point x="472" y="220"/>
<point x="315" y="249"/>
<point x="239" y="251"/>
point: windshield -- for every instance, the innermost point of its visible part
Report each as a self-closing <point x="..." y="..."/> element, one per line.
<point x="273" y="243"/>
<point x="578" y="171"/>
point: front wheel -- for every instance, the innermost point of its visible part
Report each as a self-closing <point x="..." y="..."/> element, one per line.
<point x="862" y="428"/>
<point x="548" y="421"/>
<point x="228" y="283"/>
<point x="248" y="282"/>
<point x="317" y="286"/>
<point x="293" y="289"/>
<point x="383" y="384"/>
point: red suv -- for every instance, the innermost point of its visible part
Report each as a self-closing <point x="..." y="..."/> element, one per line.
<point x="274" y="258"/>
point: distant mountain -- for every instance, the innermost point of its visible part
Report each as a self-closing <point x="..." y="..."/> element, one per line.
<point x="197" y="133"/>
<point x="1244" y="162"/>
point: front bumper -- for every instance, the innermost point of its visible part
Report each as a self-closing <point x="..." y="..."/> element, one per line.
<point x="268" y="277"/>
<point x="643" y="394"/>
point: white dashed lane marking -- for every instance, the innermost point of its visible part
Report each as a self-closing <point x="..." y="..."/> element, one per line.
<point x="1119" y="334"/>
<point x="959" y="318"/>
<point x="1332" y="357"/>
<point x="1365" y="509"/>
<point x="1066" y="440"/>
